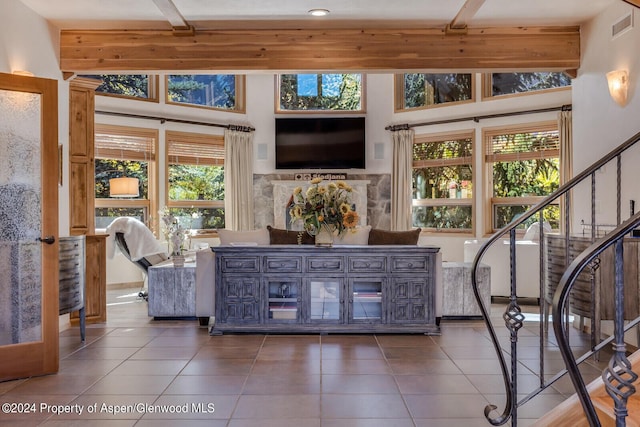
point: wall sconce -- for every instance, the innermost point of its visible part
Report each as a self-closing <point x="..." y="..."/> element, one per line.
<point x="123" y="187"/>
<point x="22" y="73"/>
<point x="618" y="84"/>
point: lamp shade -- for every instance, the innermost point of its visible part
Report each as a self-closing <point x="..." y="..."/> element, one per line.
<point x="123" y="187"/>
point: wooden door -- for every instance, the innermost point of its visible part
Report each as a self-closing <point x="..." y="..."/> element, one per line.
<point x="95" y="280"/>
<point x="28" y="226"/>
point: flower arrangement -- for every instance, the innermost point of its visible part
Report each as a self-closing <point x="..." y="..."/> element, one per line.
<point x="324" y="205"/>
<point x="174" y="233"/>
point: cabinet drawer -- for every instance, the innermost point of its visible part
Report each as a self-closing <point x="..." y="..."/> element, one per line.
<point x="369" y="264"/>
<point x="409" y="263"/>
<point x="325" y="263"/>
<point x="289" y="264"/>
<point x="240" y="264"/>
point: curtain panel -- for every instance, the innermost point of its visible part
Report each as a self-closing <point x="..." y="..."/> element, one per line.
<point x="401" y="180"/>
<point x="238" y="180"/>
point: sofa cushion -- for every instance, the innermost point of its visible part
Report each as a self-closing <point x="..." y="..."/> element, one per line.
<point x="257" y="237"/>
<point x="355" y="236"/>
<point x="384" y="237"/>
<point x="288" y="237"/>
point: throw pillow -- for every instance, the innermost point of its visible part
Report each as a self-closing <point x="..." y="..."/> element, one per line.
<point x="288" y="237"/>
<point x="356" y="236"/>
<point x="256" y="237"/>
<point x="384" y="237"/>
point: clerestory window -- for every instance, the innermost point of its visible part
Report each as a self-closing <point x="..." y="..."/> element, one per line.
<point x="320" y="92"/>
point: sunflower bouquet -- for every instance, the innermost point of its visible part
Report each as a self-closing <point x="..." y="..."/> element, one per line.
<point x="324" y="206"/>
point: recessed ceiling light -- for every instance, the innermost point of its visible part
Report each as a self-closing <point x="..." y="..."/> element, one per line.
<point x="319" y="12"/>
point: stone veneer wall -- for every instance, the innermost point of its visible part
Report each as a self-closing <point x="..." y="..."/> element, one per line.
<point x="378" y="198"/>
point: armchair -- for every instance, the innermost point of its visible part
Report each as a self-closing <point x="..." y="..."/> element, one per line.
<point x="137" y="243"/>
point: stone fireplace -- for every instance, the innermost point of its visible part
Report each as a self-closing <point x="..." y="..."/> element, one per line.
<point x="272" y="191"/>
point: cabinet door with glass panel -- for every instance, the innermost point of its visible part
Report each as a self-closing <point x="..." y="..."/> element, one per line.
<point x="365" y="300"/>
<point x="284" y="297"/>
<point x="325" y="299"/>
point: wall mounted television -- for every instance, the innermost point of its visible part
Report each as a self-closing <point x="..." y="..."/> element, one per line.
<point x="320" y="143"/>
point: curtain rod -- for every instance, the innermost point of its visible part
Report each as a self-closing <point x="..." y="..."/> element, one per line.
<point x="476" y="119"/>
<point x="167" y="119"/>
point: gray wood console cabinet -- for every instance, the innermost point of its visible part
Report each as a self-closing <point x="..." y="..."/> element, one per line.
<point x="342" y="289"/>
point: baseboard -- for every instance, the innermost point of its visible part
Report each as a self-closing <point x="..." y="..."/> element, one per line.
<point x="125" y="285"/>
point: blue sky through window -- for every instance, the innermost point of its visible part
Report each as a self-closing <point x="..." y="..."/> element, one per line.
<point x="307" y="85"/>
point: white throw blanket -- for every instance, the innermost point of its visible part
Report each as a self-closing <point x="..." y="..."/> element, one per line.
<point x="140" y="240"/>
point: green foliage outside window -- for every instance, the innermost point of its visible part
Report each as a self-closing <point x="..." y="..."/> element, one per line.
<point x="339" y="92"/>
<point x="423" y="90"/>
<point x="133" y="85"/>
<point x="191" y="182"/>
<point x="538" y="177"/>
<point x="510" y="83"/>
<point x="208" y="90"/>
<point x="442" y="217"/>
<point x="504" y="214"/>
<point x="197" y="182"/>
<point x="199" y="218"/>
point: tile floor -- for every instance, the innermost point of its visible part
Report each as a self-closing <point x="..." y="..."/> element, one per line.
<point x="132" y="368"/>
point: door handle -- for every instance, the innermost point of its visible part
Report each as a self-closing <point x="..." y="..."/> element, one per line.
<point x="49" y="240"/>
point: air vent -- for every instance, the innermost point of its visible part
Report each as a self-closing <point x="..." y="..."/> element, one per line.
<point x="623" y="25"/>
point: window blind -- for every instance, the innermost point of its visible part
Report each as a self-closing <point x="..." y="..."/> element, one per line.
<point x="195" y="149"/>
<point x="114" y="142"/>
<point x="442" y="153"/>
<point x="522" y="146"/>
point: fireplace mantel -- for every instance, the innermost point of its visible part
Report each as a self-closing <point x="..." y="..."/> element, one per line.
<point x="283" y="189"/>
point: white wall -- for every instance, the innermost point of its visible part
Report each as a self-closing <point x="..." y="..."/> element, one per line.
<point x="600" y="124"/>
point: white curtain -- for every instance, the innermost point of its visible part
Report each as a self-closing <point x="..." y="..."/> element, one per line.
<point x="238" y="180"/>
<point x="401" y="180"/>
<point x="565" y="131"/>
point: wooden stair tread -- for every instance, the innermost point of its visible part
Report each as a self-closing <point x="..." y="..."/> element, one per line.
<point x="570" y="414"/>
<point x="604" y="406"/>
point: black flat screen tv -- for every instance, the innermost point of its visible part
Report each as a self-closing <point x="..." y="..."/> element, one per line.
<point x="320" y="143"/>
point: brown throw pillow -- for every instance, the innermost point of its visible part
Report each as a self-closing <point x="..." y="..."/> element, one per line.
<point x="384" y="237"/>
<point x="288" y="237"/>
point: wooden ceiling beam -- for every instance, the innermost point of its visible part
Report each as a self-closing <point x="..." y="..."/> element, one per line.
<point x="359" y="49"/>
<point x="171" y="12"/>
<point x="467" y="11"/>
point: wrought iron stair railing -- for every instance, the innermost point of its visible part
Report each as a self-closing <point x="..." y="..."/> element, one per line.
<point x="513" y="315"/>
<point x="618" y="377"/>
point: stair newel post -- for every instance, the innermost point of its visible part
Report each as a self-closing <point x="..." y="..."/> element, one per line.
<point x="619" y="377"/>
<point x="514" y="320"/>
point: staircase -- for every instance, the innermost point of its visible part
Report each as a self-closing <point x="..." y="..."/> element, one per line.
<point x="592" y="405"/>
<point x="570" y="413"/>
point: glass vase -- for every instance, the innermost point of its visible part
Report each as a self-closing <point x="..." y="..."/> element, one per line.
<point x="324" y="236"/>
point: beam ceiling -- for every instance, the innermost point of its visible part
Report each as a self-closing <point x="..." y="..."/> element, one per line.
<point x="363" y="49"/>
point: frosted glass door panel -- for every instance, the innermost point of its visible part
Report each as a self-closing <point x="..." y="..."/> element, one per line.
<point x="20" y="214"/>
